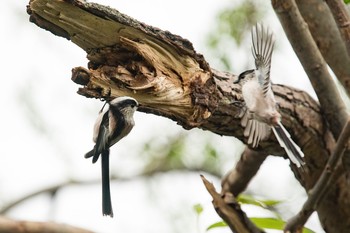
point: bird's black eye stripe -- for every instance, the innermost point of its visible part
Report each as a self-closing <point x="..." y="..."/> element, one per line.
<point x="128" y="102"/>
<point x="242" y="75"/>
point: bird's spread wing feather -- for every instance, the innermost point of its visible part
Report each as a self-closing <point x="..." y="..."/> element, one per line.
<point x="254" y="130"/>
<point x="263" y="42"/>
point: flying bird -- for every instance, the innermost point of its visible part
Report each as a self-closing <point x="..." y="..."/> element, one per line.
<point x="260" y="111"/>
<point x="111" y="125"/>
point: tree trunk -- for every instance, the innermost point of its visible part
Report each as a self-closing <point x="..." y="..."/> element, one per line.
<point x="168" y="78"/>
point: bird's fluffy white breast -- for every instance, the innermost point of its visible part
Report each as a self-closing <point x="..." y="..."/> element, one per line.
<point x="262" y="107"/>
<point x="252" y="93"/>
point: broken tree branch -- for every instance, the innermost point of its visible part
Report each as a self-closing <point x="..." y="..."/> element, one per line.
<point x="230" y="211"/>
<point x="165" y="74"/>
<point x="323" y="185"/>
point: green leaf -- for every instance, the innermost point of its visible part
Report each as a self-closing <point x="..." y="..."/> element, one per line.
<point x="267" y="223"/>
<point x="346" y="1"/>
<point x="198" y="208"/>
<point x="274" y="223"/>
<point x="307" y="230"/>
<point x="217" y="225"/>
<point x="247" y="199"/>
<point x="270" y="223"/>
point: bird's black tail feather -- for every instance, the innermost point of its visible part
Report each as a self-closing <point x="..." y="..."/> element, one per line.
<point x="94" y="154"/>
<point x="292" y="149"/>
<point x="106" y="191"/>
<point x="89" y="154"/>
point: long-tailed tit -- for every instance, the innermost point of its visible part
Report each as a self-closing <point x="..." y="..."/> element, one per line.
<point x="260" y="113"/>
<point x="111" y="125"/>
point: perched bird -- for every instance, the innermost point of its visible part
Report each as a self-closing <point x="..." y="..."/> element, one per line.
<point x="260" y="111"/>
<point x="111" y="125"/>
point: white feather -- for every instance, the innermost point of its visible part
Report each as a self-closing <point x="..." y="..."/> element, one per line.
<point x="98" y="124"/>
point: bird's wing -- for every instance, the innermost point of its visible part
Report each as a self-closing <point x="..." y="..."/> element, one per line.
<point x="262" y="47"/>
<point x="102" y="137"/>
<point x="116" y="126"/>
<point x="98" y="124"/>
<point x="255" y="130"/>
<point x="113" y="123"/>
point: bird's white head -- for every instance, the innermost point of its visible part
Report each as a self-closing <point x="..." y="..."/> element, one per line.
<point x="124" y="103"/>
<point x="245" y="76"/>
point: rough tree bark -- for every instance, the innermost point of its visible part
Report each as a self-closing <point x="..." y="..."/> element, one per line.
<point x="324" y="30"/>
<point x="168" y="78"/>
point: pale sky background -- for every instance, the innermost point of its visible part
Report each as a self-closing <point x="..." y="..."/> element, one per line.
<point x="47" y="128"/>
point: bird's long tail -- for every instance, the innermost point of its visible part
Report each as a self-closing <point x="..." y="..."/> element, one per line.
<point x="292" y="149"/>
<point x="106" y="191"/>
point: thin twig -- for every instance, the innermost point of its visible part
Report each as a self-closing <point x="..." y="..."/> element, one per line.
<point x="342" y="18"/>
<point x="54" y="188"/>
<point x="229" y="210"/>
<point x="322" y="186"/>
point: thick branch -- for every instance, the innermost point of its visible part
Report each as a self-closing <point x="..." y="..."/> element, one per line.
<point x="310" y="57"/>
<point x="323" y="185"/>
<point x="72" y="20"/>
<point x="168" y="78"/>
<point x="9" y="225"/>
<point x="327" y="37"/>
<point x="165" y="74"/>
<point x="238" y="179"/>
<point x="342" y="18"/>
